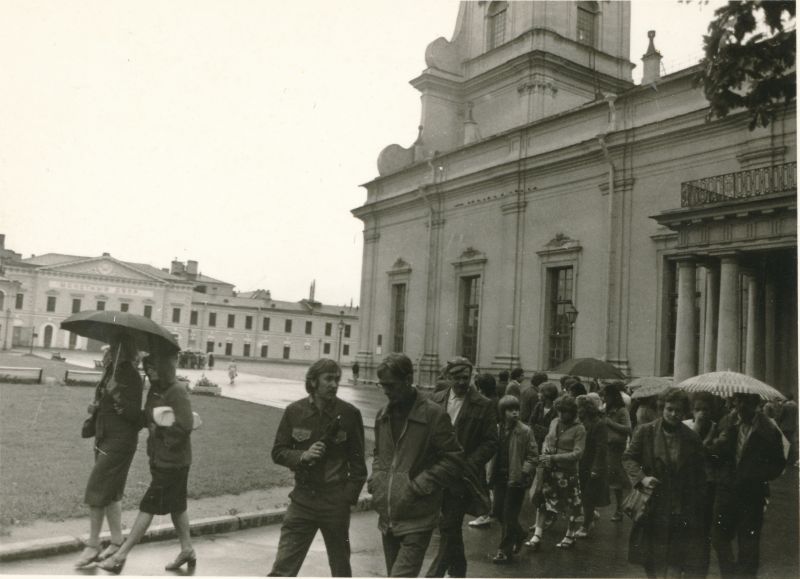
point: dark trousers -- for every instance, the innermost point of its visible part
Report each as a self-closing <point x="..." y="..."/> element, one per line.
<point x="405" y="554"/>
<point x="740" y="517"/>
<point x="510" y="501"/>
<point x="306" y="513"/>
<point x="450" y="557"/>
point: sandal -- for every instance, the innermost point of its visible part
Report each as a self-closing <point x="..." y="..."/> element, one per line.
<point x="112" y="565"/>
<point x="534" y="542"/>
<point x="88" y="556"/>
<point x="566" y="543"/>
<point x="109" y="551"/>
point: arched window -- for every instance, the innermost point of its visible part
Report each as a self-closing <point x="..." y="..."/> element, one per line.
<point x="497" y="24"/>
<point x="587" y="23"/>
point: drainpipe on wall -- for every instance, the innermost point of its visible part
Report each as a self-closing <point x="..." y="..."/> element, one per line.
<point x="610" y="99"/>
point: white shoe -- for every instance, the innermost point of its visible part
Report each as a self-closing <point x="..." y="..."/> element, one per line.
<point x="481" y="521"/>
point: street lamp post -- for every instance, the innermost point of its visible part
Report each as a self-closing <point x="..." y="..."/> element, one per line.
<point x="571" y="314"/>
<point x="340" y="325"/>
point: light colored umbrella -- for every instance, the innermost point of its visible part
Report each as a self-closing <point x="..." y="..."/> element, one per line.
<point x="649" y="386"/>
<point x="727" y="384"/>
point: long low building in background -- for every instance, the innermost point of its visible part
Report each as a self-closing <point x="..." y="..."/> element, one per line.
<point x="203" y="313"/>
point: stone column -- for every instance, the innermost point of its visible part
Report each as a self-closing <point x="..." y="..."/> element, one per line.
<point x="754" y="352"/>
<point x="712" y="305"/>
<point x="685" y="347"/>
<point x="728" y="326"/>
<point x="366" y="321"/>
<point x="429" y="363"/>
<point x="770" y="327"/>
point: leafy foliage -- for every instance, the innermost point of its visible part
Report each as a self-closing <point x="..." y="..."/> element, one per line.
<point x="750" y="59"/>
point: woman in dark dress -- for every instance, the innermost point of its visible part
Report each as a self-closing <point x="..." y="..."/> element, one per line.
<point x="592" y="469"/>
<point x="170" y="450"/>
<point x="116" y="410"/>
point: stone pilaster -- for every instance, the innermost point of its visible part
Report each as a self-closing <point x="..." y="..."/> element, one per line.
<point x="728" y="325"/>
<point x="429" y="364"/>
<point x="366" y="338"/>
<point x="712" y="310"/>
<point x="685" y="347"/>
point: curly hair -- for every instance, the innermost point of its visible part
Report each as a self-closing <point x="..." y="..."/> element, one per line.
<point x="586" y="406"/>
<point x="674" y="395"/>
<point x="566" y="403"/>
<point x="318" y="368"/>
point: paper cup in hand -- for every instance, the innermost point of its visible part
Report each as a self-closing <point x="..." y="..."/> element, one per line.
<point x="163" y="416"/>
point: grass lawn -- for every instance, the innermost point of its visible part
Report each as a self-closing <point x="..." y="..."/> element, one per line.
<point x="44" y="463"/>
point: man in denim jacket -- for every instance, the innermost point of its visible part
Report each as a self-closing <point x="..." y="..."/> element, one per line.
<point x="416" y="456"/>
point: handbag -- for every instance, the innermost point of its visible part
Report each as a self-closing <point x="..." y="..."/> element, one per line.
<point x="637" y="504"/>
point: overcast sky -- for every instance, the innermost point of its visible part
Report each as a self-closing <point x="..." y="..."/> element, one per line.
<point x="233" y="133"/>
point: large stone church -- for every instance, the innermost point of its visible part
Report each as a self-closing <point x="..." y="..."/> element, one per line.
<point x="551" y="208"/>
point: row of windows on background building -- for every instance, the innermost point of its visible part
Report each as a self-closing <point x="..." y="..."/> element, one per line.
<point x="558" y="299"/>
<point x="585" y="29"/>
<point x="264" y="350"/>
<point x="147" y="312"/>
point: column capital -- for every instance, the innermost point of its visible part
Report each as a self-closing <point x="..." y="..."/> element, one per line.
<point x="371" y="236"/>
<point x="686" y="260"/>
<point x="729" y="256"/>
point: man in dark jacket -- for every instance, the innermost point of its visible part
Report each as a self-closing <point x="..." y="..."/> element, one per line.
<point x="321" y="438"/>
<point x="474" y="418"/>
<point x="416" y="456"/>
<point x="748" y="453"/>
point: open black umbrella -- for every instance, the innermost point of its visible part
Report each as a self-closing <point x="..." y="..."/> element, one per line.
<point x="588" y="368"/>
<point x="105" y="326"/>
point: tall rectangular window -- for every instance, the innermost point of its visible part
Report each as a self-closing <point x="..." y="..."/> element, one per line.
<point x="497" y="24"/>
<point x="328" y="328"/>
<point x="347" y="330"/>
<point x="287" y="327"/>
<point x="176" y="315"/>
<point x="231" y="320"/>
<point x="398" y="316"/>
<point x="326" y="348"/>
<point x="51" y="303"/>
<point x="559" y="297"/>
<point x="287" y="350"/>
<point x="308" y="328"/>
<point x="246" y="350"/>
<point x="469" y="300"/>
<point x="248" y="322"/>
<point x="212" y="319"/>
<point x="228" y="349"/>
<point x="264" y="350"/>
<point x="124" y="307"/>
<point x="193" y="318"/>
<point x="76" y="305"/>
<point x="148" y="311"/>
<point x="209" y="347"/>
<point x="101" y="305"/>
<point x="20" y="298"/>
<point x="265" y="325"/>
<point x="346" y="350"/>
<point x="587" y="22"/>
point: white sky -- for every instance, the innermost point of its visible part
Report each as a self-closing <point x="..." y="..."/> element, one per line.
<point x="233" y="133"/>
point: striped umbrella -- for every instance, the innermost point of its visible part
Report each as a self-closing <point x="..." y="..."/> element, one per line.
<point x="649" y="386"/>
<point x="727" y="384"/>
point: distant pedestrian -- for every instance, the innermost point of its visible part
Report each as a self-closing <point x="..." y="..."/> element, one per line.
<point x="529" y="396"/>
<point x="577" y="389"/>
<point x="787" y="422"/>
<point x="514" y="387"/>
<point x="233" y="372"/>
<point x="618" y="422"/>
<point x="416" y="456"/>
<point x="749" y="454"/>
<point x="114" y="421"/>
<point x="474" y="419"/>
<point x="169" y="449"/>
<point x="593" y="466"/>
<point x="211" y="361"/>
<point x="355" y="370"/>
<point x="502" y="383"/>
<point x="511" y="475"/>
<point x="321" y="439"/>
<point x="560" y="492"/>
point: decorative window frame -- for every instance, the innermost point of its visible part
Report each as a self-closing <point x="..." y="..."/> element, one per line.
<point x="561" y="251"/>
<point x="400" y="273"/>
<point x="470" y="263"/>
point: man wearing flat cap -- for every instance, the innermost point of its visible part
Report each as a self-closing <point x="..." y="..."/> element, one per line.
<point x="475" y="421"/>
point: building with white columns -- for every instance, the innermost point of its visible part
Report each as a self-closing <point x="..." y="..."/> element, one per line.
<point x="543" y="179"/>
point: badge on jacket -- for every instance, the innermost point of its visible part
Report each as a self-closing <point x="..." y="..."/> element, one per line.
<point x="301" y="434"/>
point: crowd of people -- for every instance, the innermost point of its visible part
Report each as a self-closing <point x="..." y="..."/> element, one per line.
<point x="693" y="473"/>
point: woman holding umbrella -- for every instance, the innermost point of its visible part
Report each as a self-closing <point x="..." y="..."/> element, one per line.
<point x="168" y="413"/>
<point x="115" y="419"/>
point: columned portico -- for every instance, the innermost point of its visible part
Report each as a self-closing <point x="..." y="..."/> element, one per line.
<point x="728" y="324"/>
<point x="711" y="309"/>
<point x="685" y="345"/>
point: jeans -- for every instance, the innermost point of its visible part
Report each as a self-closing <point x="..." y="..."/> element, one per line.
<point x="406" y="553"/>
<point x="510" y="500"/>
<point x="308" y="512"/>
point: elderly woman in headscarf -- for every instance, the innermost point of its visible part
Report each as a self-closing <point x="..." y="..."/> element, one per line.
<point x="592" y="470"/>
<point x="115" y="419"/>
<point x="560" y="492"/>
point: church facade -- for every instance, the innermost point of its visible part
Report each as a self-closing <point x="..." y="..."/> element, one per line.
<point x="551" y="208"/>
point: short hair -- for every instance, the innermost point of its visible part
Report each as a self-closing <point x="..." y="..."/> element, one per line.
<point x="318" y="368"/>
<point x="747" y="398"/>
<point x="566" y="404"/>
<point x="486" y="384"/>
<point x="577" y="389"/>
<point x="538" y="378"/>
<point x="507" y="402"/>
<point x="586" y="405"/>
<point x="702" y="396"/>
<point x="674" y="395"/>
<point x="613" y="395"/>
<point x="503" y="376"/>
<point x="398" y="365"/>
<point x="548" y="390"/>
<point x="517" y="373"/>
